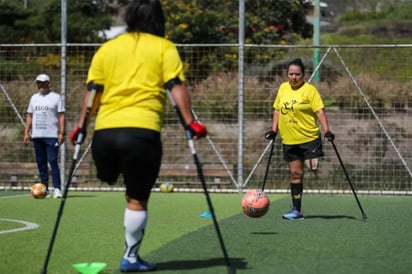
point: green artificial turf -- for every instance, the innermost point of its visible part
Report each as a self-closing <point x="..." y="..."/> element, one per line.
<point x="332" y="238"/>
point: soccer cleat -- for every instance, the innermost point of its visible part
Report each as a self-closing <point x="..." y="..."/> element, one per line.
<point x="293" y="215"/>
<point x="57" y="193"/>
<point x="138" y="266"/>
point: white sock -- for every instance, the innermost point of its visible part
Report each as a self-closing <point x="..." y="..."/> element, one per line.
<point x="134" y="226"/>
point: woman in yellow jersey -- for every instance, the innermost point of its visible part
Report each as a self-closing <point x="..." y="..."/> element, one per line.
<point x="131" y="74"/>
<point x="297" y="109"/>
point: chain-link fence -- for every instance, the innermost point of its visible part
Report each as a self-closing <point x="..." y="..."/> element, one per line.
<point x="367" y="91"/>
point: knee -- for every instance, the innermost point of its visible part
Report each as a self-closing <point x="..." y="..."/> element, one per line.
<point x="53" y="161"/>
<point x="134" y="204"/>
<point x="296" y="176"/>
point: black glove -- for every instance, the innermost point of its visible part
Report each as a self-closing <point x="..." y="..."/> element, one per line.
<point x="270" y="135"/>
<point x="330" y="136"/>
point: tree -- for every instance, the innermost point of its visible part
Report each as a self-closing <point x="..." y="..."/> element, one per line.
<point x="42" y="24"/>
<point x="216" y="21"/>
<point x="188" y="21"/>
<point x="84" y="21"/>
<point x="14" y="25"/>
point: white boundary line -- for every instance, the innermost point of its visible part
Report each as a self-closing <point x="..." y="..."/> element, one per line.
<point x="28" y="226"/>
<point x="14" y="196"/>
<point x="233" y="190"/>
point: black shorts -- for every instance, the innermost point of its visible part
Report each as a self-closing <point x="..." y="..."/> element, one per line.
<point x="133" y="152"/>
<point x="303" y="151"/>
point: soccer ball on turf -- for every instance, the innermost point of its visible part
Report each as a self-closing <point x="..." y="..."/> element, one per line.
<point x="38" y="191"/>
<point x="166" y="187"/>
<point x="255" y="203"/>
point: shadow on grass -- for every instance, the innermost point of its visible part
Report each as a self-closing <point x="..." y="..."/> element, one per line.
<point x="176" y="265"/>
<point x="69" y="196"/>
<point x="264" y="233"/>
<point x="238" y="263"/>
<point x="329" y="217"/>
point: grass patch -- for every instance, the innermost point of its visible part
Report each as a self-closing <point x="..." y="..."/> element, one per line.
<point x="333" y="238"/>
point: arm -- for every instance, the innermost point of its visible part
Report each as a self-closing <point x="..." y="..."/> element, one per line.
<point x="91" y="103"/>
<point x="27" y="128"/>
<point x="271" y="134"/>
<point x="182" y="99"/>
<point x="275" y="121"/>
<point x="93" y="110"/>
<point x="62" y="128"/>
<point x="323" y="120"/>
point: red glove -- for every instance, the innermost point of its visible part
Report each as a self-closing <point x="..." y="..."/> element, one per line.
<point x="198" y="129"/>
<point x="74" y="134"/>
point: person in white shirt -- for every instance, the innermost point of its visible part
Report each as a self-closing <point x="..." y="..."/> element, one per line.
<point x="45" y="120"/>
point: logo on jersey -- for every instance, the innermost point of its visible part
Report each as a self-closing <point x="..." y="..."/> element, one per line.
<point x="288" y="106"/>
<point x="41" y="108"/>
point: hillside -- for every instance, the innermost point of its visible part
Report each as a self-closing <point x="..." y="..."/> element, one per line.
<point x="332" y="10"/>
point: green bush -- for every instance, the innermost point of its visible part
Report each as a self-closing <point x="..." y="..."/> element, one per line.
<point x="13" y="70"/>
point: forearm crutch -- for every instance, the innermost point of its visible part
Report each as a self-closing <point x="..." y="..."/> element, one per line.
<point x="348" y="179"/>
<point x="80" y="140"/>
<point x="230" y="268"/>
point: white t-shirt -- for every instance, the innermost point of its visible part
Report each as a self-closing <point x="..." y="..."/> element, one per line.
<point x="45" y="109"/>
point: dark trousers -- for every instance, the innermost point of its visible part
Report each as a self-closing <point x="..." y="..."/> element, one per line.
<point x="47" y="151"/>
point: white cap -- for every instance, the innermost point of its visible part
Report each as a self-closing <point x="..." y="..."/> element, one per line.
<point x="43" y="78"/>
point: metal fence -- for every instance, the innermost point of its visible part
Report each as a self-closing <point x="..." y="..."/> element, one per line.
<point x="367" y="91"/>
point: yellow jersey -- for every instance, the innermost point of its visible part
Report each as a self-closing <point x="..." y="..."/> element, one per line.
<point x="133" y="67"/>
<point x="298" y="122"/>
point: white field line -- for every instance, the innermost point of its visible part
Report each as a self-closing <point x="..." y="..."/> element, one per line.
<point x="14" y="196"/>
<point x="27" y="226"/>
<point x="234" y="190"/>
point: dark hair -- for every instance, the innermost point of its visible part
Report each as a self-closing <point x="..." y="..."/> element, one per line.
<point x="145" y="16"/>
<point x="297" y="62"/>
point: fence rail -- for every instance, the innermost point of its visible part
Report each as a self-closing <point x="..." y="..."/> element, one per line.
<point x="367" y="90"/>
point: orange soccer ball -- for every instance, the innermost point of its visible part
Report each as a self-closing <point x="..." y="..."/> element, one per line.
<point x="38" y="191"/>
<point x="255" y="203"/>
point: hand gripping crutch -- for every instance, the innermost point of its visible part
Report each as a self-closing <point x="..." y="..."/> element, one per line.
<point x="349" y="180"/>
<point x="80" y="140"/>
<point x="230" y="268"/>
